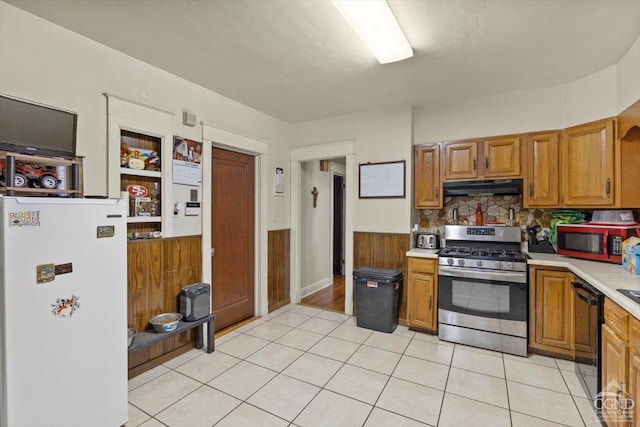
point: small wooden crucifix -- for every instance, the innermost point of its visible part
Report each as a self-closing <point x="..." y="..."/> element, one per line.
<point x="315" y="196"/>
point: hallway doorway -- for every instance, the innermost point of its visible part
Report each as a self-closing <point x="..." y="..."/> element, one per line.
<point x="323" y="236"/>
<point x="300" y="202"/>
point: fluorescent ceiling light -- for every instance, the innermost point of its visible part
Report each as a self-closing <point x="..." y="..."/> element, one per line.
<point x="374" y="22"/>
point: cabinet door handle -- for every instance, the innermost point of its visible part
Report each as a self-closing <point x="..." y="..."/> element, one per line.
<point x="437" y="191"/>
<point x="608" y="187"/>
<point x="475" y="166"/>
<point x="531" y="190"/>
<point x="430" y="302"/>
<point x="486" y="163"/>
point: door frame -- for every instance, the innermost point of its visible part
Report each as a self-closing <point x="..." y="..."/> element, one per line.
<point x="299" y="155"/>
<point x="342" y="174"/>
<point x="215" y="136"/>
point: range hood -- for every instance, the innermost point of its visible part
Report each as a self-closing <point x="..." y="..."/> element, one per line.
<point x="483" y="187"/>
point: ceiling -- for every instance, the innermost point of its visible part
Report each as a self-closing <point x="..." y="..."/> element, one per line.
<point x="298" y="60"/>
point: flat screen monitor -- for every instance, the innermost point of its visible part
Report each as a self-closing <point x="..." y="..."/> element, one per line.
<point x="28" y="128"/>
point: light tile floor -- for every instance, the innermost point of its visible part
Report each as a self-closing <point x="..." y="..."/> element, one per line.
<point x="301" y="366"/>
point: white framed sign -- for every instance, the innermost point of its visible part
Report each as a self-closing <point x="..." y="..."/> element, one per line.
<point x="382" y="180"/>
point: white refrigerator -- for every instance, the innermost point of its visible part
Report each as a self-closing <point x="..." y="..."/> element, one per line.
<point x="63" y="312"/>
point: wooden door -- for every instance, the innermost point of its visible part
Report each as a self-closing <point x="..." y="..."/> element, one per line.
<point x="587" y="165"/>
<point x="232" y="236"/>
<point x="427" y="177"/>
<point x="615" y="357"/>
<point x="554" y="309"/>
<point x="422" y="294"/>
<point x="502" y="157"/>
<point x="460" y="160"/>
<point x="542" y="185"/>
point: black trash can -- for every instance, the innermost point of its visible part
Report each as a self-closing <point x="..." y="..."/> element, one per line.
<point x="377" y="298"/>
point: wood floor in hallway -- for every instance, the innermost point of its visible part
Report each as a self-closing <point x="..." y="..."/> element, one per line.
<point x="331" y="297"/>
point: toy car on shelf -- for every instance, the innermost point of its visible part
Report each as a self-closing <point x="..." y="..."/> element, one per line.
<point x="31" y="175"/>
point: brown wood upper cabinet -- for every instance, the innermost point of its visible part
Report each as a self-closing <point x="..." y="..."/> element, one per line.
<point x="587" y="155"/>
<point x="422" y="294"/>
<point x="542" y="185"/>
<point x="490" y="158"/>
<point x="460" y="160"/>
<point x="501" y="157"/>
<point x="427" y="177"/>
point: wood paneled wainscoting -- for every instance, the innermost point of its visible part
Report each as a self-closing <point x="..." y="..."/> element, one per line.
<point x="279" y="272"/>
<point x="157" y="269"/>
<point x="383" y="250"/>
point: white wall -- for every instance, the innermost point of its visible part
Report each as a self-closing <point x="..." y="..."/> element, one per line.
<point x="494" y="115"/>
<point x="601" y="94"/>
<point x="590" y="98"/>
<point x="628" y="70"/>
<point x="43" y="62"/>
<point x="315" y="226"/>
<point x="381" y="136"/>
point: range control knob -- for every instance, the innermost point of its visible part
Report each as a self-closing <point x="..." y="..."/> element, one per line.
<point x="510" y="265"/>
<point x="450" y="261"/>
<point x="460" y="261"/>
<point x="479" y="263"/>
<point x="498" y="264"/>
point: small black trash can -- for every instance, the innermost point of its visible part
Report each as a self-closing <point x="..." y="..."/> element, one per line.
<point x="377" y="298"/>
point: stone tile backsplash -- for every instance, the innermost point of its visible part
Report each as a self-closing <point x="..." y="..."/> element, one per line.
<point x="494" y="208"/>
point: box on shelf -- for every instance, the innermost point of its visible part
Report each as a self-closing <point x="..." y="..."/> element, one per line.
<point x="631" y="255"/>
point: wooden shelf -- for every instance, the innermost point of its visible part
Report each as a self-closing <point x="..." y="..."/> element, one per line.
<point x="148" y="337"/>
<point x="41" y="190"/>
<point x="72" y="174"/>
<point x="141" y="172"/>
<point x="49" y="161"/>
<point x="139" y="219"/>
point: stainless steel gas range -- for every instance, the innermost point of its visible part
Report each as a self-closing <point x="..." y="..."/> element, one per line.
<point x="482" y="288"/>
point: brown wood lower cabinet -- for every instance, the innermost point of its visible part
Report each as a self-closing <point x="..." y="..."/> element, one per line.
<point x="551" y="309"/>
<point x="422" y="294"/>
<point x="616" y="365"/>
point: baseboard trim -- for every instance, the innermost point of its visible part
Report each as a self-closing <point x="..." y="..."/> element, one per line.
<point x="315" y="287"/>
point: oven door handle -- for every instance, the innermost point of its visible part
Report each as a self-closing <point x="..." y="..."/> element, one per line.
<point x="577" y="286"/>
<point x="471" y="273"/>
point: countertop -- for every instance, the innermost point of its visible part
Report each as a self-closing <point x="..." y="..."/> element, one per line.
<point x="605" y="277"/>
<point x="423" y="253"/>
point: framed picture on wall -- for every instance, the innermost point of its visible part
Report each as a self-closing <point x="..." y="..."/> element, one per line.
<point x="279" y="181"/>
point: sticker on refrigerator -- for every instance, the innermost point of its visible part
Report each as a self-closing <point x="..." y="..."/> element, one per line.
<point x="64" y="268"/>
<point x="45" y="273"/>
<point x="106" y="231"/>
<point x="24" y="219"/>
<point x="65" y="307"/>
